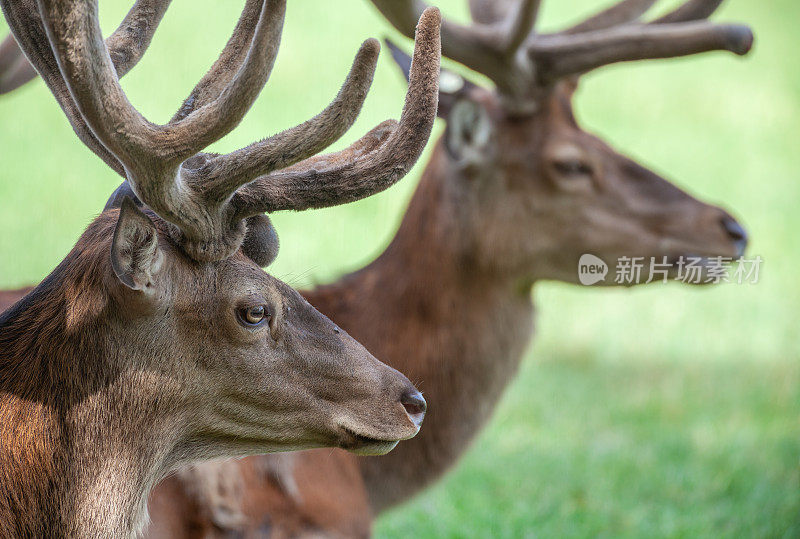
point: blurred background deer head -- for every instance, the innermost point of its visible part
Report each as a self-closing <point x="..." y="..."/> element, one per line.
<point x="538" y="190"/>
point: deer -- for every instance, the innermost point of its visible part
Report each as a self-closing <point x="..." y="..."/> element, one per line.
<point x="157" y="341"/>
<point x="513" y="194"/>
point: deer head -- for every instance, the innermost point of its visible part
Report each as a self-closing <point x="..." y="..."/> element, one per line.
<point x="535" y="190"/>
<point x="161" y="300"/>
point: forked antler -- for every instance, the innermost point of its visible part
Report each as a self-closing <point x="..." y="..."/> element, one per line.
<point x="502" y="43"/>
<point x="207" y="196"/>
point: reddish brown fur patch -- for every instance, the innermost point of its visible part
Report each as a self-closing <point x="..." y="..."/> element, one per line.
<point x="327" y="499"/>
<point x="10" y="297"/>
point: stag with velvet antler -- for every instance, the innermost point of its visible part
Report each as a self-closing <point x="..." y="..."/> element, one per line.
<point x="513" y="194"/>
<point x="156" y="341"/>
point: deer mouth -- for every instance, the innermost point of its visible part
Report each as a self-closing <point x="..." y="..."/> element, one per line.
<point x="360" y="444"/>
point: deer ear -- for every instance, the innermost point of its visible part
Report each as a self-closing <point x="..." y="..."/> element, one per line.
<point x="135" y="254"/>
<point x="452" y="86"/>
<point x="469" y="133"/>
<point x="261" y="242"/>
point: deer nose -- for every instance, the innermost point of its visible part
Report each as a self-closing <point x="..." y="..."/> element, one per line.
<point x="415" y="406"/>
<point x="736" y="233"/>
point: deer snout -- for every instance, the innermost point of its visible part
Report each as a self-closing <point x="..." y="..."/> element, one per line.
<point x="415" y="405"/>
<point x="735" y="232"/>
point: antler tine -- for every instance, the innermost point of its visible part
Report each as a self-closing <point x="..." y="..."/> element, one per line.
<point x="218" y="117"/>
<point x="26" y="25"/>
<point x="221" y="175"/>
<point x="619" y="13"/>
<point x="227" y="64"/>
<point x="691" y="10"/>
<point x="9" y="53"/>
<point x="19" y="74"/>
<point x="374" y="162"/>
<point x="512" y="20"/>
<point x="519" y="24"/>
<point x="126" y="45"/>
<point x="628" y="11"/>
<point x="559" y="56"/>
<point x="15" y="70"/>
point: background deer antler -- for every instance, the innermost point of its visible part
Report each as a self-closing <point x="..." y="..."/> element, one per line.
<point x="200" y="193"/>
<point x="503" y="45"/>
<point x="125" y="46"/>
<point x="15" y="70"/>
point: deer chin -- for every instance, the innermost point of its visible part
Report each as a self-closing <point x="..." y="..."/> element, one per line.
<point x="366" y="446"/>
<point x="361" y="444"/>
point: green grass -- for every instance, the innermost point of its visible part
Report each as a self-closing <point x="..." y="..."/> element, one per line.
<point x="584" y="448"/>
<point x="662" y="411"/>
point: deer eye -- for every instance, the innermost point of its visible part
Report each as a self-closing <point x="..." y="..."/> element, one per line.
<point x="253" y="316"/>
<point x="572" y="168"/>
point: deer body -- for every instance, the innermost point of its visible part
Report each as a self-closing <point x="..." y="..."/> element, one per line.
<point x="458" y="330"/>
<point x="455" y="316"/>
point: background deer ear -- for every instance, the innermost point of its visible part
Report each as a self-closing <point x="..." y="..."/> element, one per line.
<point x="135" y="254"/>
<point x="468" y="135"/>
<point x="119" y="194"/>
<point x="261" y="242"/>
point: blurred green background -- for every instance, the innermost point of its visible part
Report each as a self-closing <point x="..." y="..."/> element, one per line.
<point x="665" y="410"/>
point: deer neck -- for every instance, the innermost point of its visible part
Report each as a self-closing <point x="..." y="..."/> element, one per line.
<point x="427" y="309"/>
<point x="76" y="449"/>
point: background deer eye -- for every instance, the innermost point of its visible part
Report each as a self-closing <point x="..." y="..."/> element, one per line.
<point x="253" y="316"/>
<point x="572" y="167"/>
